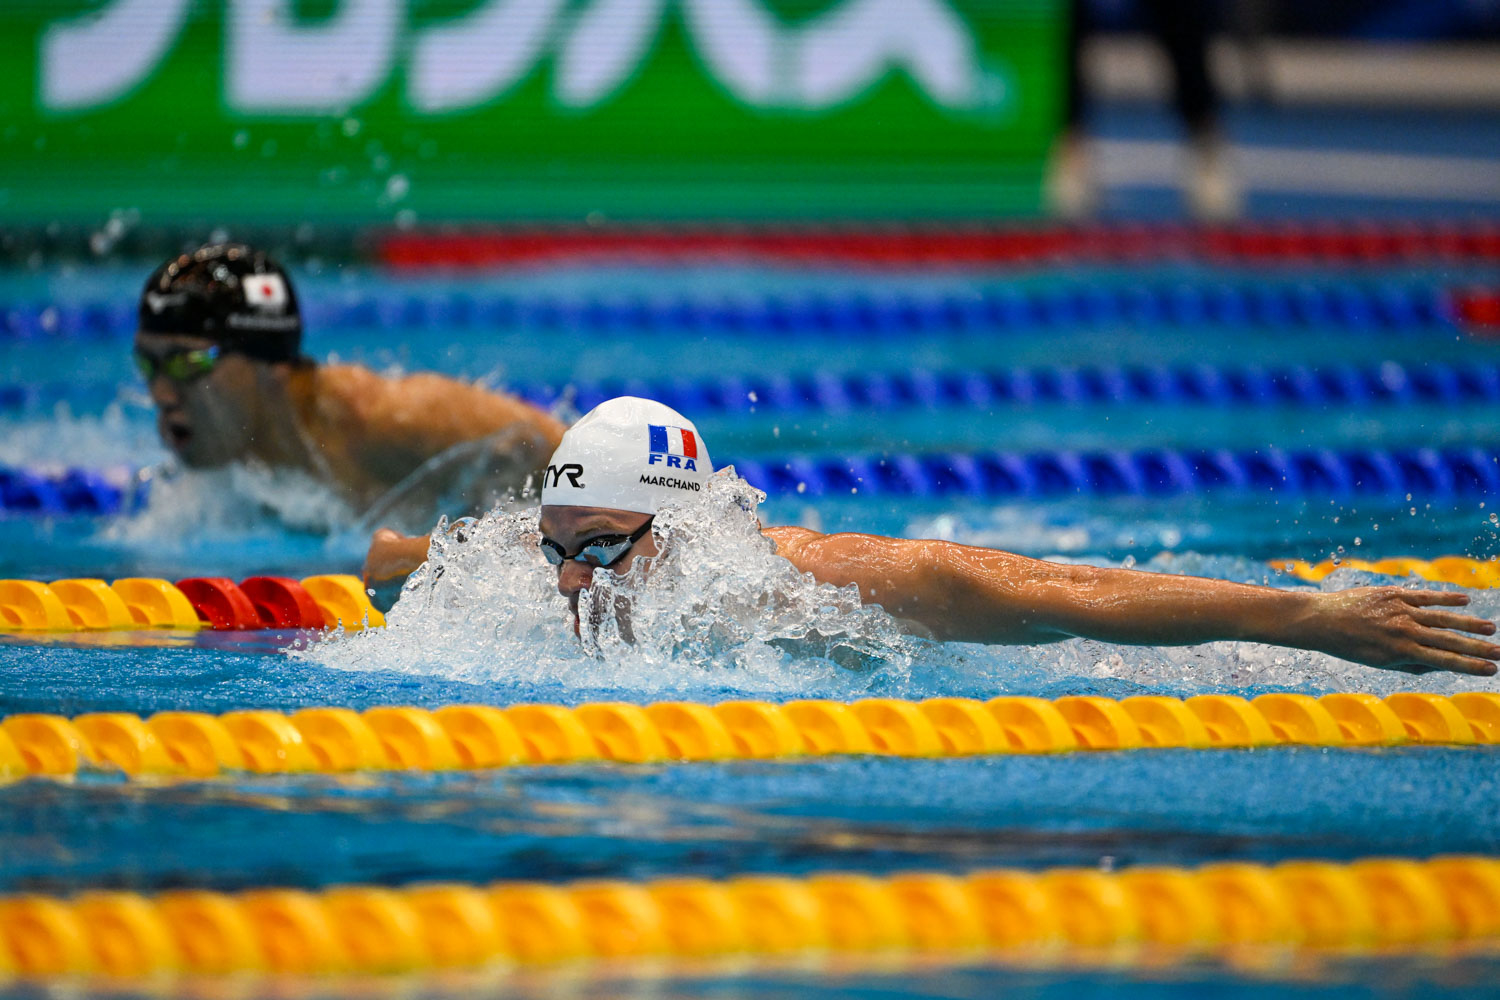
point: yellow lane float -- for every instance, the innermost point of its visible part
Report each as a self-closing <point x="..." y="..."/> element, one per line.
<point x="1460" y="570"/>
<point x="482" y="736"/>
<point x="1372" y="906"/>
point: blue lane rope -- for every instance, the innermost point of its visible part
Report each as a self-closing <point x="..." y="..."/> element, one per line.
<point x="1338" y="304"/>
<point x="1387" y="383"/>
<point x="1420" y="472"/>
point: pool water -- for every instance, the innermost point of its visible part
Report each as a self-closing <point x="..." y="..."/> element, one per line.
<point x="853" y="814"/>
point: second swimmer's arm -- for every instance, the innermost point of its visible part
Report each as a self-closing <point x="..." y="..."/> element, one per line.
<point x="392" y="554"/>
<point x="970" y="594"/>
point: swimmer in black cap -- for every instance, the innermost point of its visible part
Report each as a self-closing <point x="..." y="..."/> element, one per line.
<point x="220" y="344"/>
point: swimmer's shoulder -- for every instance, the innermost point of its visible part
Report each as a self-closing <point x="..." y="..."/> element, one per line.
<point x="426" y="403"/>
<point x="789" y="540"/>
<point x="812" y="551"/>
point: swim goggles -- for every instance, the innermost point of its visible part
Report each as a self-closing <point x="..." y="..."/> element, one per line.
<point x="179" y="366"/>
<point x="602" y="552"/>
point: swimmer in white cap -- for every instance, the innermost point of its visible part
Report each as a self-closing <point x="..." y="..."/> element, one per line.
<point x="627" y="457"/>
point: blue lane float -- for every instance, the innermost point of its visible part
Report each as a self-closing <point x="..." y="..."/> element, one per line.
<point x="1420" y="472"/>
<point x="66" y="491"/>
<point x="1382" y="384"/>
<point x="1331" y="305"/>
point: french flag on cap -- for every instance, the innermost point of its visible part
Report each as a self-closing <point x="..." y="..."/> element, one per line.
<point x="673" y="441"/>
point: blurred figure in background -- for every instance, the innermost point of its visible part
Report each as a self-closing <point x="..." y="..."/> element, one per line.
<point x="1181" y="28"/>
<point x="220" y="344"/>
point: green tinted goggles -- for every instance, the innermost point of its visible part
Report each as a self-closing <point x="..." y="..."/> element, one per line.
<point x="179" y="366"/>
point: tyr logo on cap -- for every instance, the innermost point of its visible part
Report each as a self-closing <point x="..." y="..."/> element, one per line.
<point x="674" y="447"/>
<point x="555" y="473"/>
<point x="266" y="292"/>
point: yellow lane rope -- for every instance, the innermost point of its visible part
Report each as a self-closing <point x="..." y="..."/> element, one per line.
<point x="1460" y="570"/>
<point x="1377" y="904"/>
<point x="481" y="736"/>
<point x="86" y="604"/>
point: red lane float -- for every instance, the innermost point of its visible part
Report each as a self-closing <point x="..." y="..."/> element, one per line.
<point x="977" y="244"/>
<point x="1478" y="309"/>
<point x="220" y="602"/>
<point x="283" y="603"/>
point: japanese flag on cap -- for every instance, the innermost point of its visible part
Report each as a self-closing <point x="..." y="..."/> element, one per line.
<point x="629" y="454"/>
<point x="264" y="291"/>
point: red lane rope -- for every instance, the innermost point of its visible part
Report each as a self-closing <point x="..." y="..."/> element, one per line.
<point x="954" y="245"/>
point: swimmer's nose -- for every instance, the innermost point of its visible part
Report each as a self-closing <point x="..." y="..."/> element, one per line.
<point x="573" y="577"/>
<point x="164" y="392"/>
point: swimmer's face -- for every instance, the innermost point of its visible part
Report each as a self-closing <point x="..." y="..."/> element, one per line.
<point x="203" y="416"/>
<point x="574" y="527"/>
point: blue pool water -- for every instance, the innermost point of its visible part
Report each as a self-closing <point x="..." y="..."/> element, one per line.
<point x="875" y="815"/>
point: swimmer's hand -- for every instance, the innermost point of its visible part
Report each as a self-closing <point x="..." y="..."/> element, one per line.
<point x="393" y="554"/>
<point x="1397" y="629"/>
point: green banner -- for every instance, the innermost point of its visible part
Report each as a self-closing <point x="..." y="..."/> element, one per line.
<point x="282" y="112"/>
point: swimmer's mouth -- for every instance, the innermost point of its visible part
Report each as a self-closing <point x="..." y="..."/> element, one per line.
<point x="179" y="436"/>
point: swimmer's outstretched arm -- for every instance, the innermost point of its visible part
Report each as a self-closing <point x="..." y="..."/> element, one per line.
<point x="969" y="594"/>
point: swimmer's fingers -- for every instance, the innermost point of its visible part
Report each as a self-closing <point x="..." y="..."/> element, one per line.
<point x="1457" y="642"/>
<point x="1423" y="598"/>
<point x="1450" y="662"/>
<point x="1439" y="649"/>
<point x="1441" y="640"/>
<point x="1447" y="619"/>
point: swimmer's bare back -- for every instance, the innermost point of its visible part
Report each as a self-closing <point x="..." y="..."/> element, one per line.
<point x="373" y="430"/>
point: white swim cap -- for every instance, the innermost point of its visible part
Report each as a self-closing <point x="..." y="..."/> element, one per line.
<point x="629" y="454"/>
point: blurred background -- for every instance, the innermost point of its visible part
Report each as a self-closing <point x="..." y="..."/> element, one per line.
<point x="313" y="119"/>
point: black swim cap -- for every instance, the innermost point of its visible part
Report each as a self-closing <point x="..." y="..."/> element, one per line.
<point x="229" y="293"/>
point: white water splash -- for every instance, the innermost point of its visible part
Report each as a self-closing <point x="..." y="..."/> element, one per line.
<point x="118" y="435"/>
<point x="1069" y="527"/>
<point x="236" y="500"/>
<point x="716" y="607"/>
